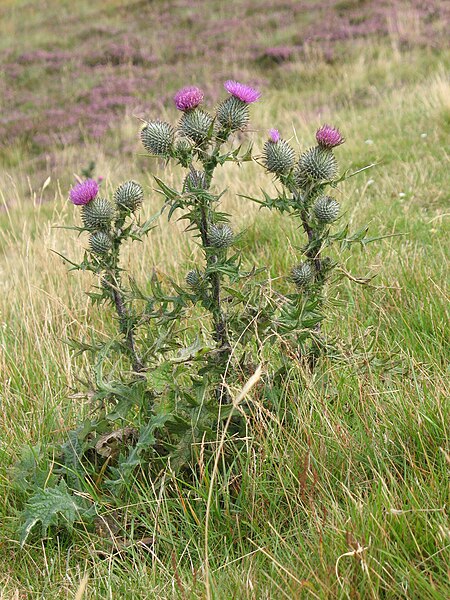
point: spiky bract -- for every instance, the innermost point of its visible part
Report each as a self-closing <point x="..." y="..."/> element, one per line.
<point x="220" y="236"/>
<point x="129" y="195"/>
<point x="196" y="125"/>
<point x="326" y="209"/>
<point x="314" y="166"/>
<point x="157" y="138"/>
<point x="100" y="242"/>
<point x="183" y="151"/>
<point x="233" y="114"/>
<point x="302" y="274"/>
<point x="193" y="278"/>
<point x="279" y="156"/>
<point x="97" y="214"/>
<point x="194" y="180"/>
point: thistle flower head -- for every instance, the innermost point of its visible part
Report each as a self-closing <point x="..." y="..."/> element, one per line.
<point x="274" y="136"/>
<point x="84" y="192"/>
<point x="329" y="137"/>
<point x="326" y="209"/>
<point x="314" y="166"/>
<point x="193" y="278"/>
<point x="129" y="196"/>
<point x="196" y="125"/>
<point x="194" y="181"/>
<point x="188" y="98"/>
<point x="100" y="242"/>
<point x="302" y="274"/>
<point x="278" y="155"/>
<point x="243" y="92"/>
<point x="157" y="138"/>
<point x="97" y="214"/>
<point x="221" y="236"/>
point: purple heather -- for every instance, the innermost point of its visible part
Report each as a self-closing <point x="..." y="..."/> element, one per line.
<point x="245" y="93"/>
<point x="274" y="135"/>
<point x="84" y="192"/>
<point x="188" y="98"/>
<point x="329" y="137"/>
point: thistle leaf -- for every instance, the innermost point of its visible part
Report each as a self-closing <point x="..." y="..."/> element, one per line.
<point x="51" y="507"/>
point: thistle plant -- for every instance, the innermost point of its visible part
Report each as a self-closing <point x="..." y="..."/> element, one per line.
<point x="196" y="145"/>
<point x="171" y="396"/>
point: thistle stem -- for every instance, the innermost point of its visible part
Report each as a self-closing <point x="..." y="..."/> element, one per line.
<point x="112" y="280"/>
<point x="220" y="332"/>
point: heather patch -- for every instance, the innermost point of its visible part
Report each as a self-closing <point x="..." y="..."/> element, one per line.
<point x="71" y="90"/>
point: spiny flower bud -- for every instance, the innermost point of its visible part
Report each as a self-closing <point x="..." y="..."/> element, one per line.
<point x="302" y="274"/>
<point x="100" y="242"/>
<point x="157" y="138"/>
<point x="278" y="155"/>
<point x="233" y="114"/>
<point x="129" y="195"/>
<point x="195" y="180"/>
<point x="315" y="165"/>
<point x="183" y="146"/>
<point x="97" y="214"/>
<point x="193" y="279"/>
<point x="196" y="125"/>
<point x="220" y="236"/>
<point x="326" y="209"/>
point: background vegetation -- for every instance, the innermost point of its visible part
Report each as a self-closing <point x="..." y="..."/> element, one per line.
<point x="344" y="492"/>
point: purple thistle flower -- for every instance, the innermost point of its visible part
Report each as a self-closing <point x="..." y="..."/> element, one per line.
<point x="245" y="93"/>
<point x="83" y="192"/>
<point x="188" y="98"/>
<point x="329" y="137"/>
<point x="274" y="136"/>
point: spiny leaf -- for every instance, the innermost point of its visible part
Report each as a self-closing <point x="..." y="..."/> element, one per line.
<point x="52" y="506"/>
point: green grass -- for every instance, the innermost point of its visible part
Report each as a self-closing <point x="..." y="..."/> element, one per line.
<point x="344" y="490"/>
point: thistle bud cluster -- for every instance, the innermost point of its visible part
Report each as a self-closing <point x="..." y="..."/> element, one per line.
<point x="305" y="179"/>
<point x="175" y="380"/>
<point x="314" y="167"/>
<point x="197" y="128"/>
<point x="98" y="214"/>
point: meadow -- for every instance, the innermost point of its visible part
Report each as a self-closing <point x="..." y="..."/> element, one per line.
<point x="344" y="491"/>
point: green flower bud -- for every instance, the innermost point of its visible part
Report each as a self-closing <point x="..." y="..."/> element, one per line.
<point x="195" y="180"/>
<point x="220" y="236"/>
<point x="129" y="195"/>
<point x="233" y="114"/>
<point x="302" y="274"/>
<point x="193" y="279"/>
<point x="314" y="166"/>
<point x="157" y="138"/>
<point x="326" y="209"/>
<point x="196" y="125"/>
<point x="279" y="157"/>
<point x="183" y="151"/>
<point x="100" y="242"/>
<point x="97" y="214"/>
